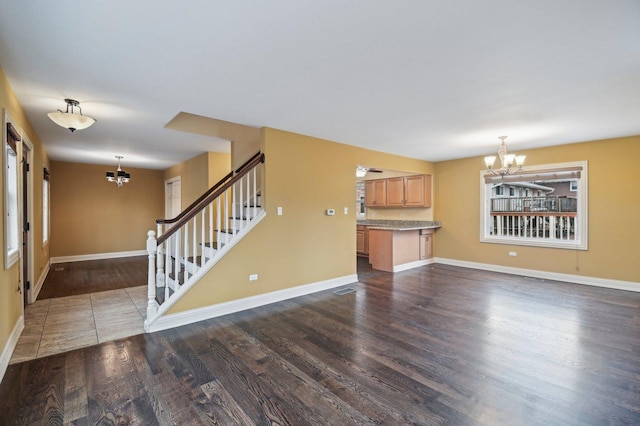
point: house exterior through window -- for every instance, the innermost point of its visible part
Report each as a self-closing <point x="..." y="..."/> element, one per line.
<point x="540" y="206"/>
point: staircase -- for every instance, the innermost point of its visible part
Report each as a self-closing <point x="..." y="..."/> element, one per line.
<point x="186" y="247"/>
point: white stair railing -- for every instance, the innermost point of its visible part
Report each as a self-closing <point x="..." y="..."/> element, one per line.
<point x="185" y="249"/>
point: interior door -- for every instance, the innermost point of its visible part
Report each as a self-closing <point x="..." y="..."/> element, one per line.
<point x="25" y="230"/>
<point x="173" y="197"/>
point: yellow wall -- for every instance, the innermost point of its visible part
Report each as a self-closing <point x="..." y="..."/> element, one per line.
<point x="245" y="142"/>
<point x="305" y="176"/>
<point x="10" y="299"/>
<point x="194" y="177"/>
<point x="614" y="209"/>
<point x="219" y="166"/>
<point x="198" y="174"/>
<point x="90" y="215"/>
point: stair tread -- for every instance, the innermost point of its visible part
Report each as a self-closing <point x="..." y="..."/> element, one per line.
<point x="227" y="231"/>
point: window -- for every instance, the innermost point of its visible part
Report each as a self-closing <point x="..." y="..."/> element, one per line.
<point x="12" y="223"/>
<point x="555" y="217"/>
<point x="360" y="209"/>
<point x="45" y="206"/>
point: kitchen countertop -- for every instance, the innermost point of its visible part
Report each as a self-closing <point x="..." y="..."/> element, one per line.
<point x="399" y="225"/>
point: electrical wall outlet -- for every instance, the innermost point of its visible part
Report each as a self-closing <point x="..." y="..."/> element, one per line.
<point x="253" y="277"/>
<point x="346" y="210"/>
<point x="513" y="253"/>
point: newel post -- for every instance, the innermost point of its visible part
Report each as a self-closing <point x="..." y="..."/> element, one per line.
<point x="152" y="306"/>
<point x="160" y="261"/>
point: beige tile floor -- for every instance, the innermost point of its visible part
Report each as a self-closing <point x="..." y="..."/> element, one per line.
<point x="58" y="325"/>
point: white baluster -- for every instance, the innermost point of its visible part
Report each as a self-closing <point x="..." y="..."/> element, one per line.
<point x="194" y="247"/>
<point x="203" y="216"/>
<point x="247" y="205"/>
<point x="152" y="306"/>
<point x="233" y="208"/>
<point x="552" y="227"/>
<point x="255" y="193"/>
<point x="241" y="205"/>
<point x="176" y="258"/>
<point x="218" y="221"/>
<point x="226" y="211"/>
<point x="185" y="251"/>
<point x="211" y="223"/>
<point x="167" y="259"/>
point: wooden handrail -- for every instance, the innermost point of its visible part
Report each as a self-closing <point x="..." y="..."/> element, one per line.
<point x="257" y="159"/>
<point x="256" y="155"/>
<point x="207" y="192"/>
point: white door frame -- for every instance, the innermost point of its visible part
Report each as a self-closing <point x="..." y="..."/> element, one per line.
<point x="27" y="150"/>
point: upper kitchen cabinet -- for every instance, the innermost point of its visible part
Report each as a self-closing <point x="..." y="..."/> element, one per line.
<point x="375" y="193"/>
<point x="403" y="191"/>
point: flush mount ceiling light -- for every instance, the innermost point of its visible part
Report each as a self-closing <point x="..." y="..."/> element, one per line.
<point x="70" y="120"/>
<point x="120" y="177"/>
<point x="506" y="161"/>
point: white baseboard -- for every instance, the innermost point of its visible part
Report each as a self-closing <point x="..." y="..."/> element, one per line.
<point x="10" y="346"/>
<point x="411" y="265"/>
<point x="570" y="278"/>
<point x="200" y="314"/>
<point x="98" y="256"/>
<point x="38" y="286"/>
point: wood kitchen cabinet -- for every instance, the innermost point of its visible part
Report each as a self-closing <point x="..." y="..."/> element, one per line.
<point x="395" y="192"/>
<point x="396" y="250"/>
<point x="426" y="244"/>
<point x="362" y="240"/>
<point x="403" y="191"/>
<point x="417" y="191"/>
<point x="375" y="193"/>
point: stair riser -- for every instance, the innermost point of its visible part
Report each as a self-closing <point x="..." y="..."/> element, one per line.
<point x="222" y="237"/>
<point x="238" y="223"/>
<point x="251" y="211"/>
<point x="208" y="252"/>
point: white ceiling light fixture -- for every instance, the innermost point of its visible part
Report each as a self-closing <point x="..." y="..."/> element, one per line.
<point x="506" y="161"/>
<point x="120" y="177"/>
<point x="70" y="120"/>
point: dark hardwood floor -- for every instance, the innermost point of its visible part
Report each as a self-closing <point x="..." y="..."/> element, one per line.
<point x="92" y="276"/>
<point x="433" y="345"/>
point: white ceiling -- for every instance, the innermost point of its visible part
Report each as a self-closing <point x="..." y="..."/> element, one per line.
<point x="428" y="79"/>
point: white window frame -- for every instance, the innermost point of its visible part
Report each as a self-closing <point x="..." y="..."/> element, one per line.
<point x="582" y="217"/>
<point x="10" y="165"/>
